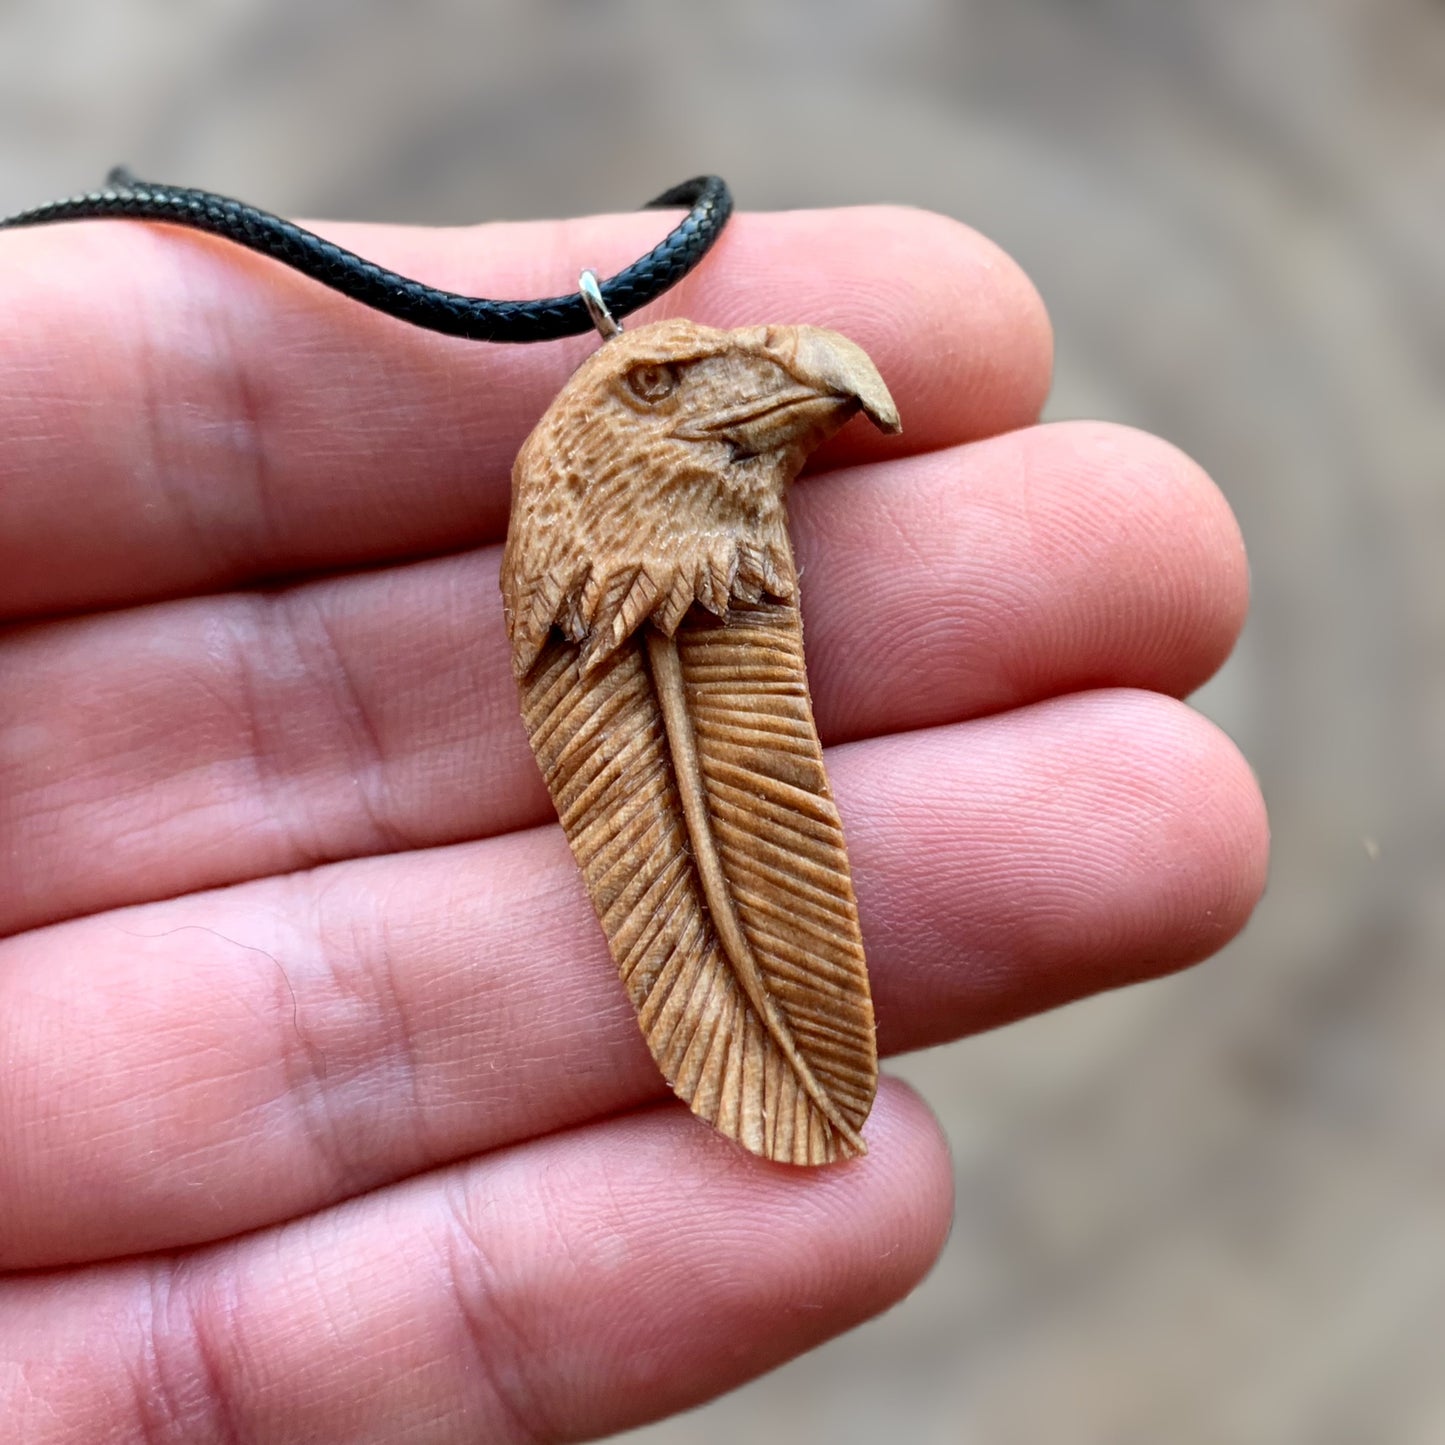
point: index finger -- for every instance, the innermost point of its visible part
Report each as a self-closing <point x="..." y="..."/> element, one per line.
<point x="181" y="415"/>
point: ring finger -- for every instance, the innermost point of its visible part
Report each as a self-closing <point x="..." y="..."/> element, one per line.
<point x="197" y="1067"/>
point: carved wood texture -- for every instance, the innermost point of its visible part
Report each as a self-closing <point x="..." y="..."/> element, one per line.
<point x="652" y="602"/>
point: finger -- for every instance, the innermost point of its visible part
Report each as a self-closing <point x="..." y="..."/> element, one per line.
<point x="194" y="1068"/>
<point x="180" y="415"/>
<point x="202" y="742"/>
<point x="562" y="1291"/>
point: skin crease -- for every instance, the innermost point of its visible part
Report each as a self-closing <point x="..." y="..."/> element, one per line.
<point x="323" y="1115"/>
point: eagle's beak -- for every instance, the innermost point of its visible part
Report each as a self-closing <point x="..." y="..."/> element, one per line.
<point x="807" y="382"/>
<point x="835" y="367"/>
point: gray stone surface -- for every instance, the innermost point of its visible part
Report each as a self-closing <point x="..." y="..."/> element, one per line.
<point x="1204" y="1211"/>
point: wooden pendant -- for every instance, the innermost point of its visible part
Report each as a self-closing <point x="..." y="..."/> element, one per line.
<point x="652" y="605"/>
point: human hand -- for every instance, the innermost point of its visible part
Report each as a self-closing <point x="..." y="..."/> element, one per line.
<point x="323" y="1114"/>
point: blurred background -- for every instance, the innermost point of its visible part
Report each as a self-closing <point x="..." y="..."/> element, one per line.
<point x="1203" y="1211"/>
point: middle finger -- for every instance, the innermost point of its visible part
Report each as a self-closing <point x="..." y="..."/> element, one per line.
<point x="197" y="743"/>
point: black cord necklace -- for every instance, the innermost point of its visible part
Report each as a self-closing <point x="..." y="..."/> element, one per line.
<point x="651" y="601"/>
<point x="472" y="317"/>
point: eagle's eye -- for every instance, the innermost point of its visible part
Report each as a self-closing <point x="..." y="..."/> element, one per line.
<point x="652" y="381"/>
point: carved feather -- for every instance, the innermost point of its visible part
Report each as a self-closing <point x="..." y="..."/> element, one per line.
<point x="652" y="603"/>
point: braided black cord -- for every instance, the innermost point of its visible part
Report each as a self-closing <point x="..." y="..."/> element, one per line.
<point x="452" y="314"/>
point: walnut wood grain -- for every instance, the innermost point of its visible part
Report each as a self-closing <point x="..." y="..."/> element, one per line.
<point x="652" y="604"/>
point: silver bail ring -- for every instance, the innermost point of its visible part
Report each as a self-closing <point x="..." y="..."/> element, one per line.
<point x="607" y="325"/>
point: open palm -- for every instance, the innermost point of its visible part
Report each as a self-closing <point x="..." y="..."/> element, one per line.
<point x="323" y="1114"/>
